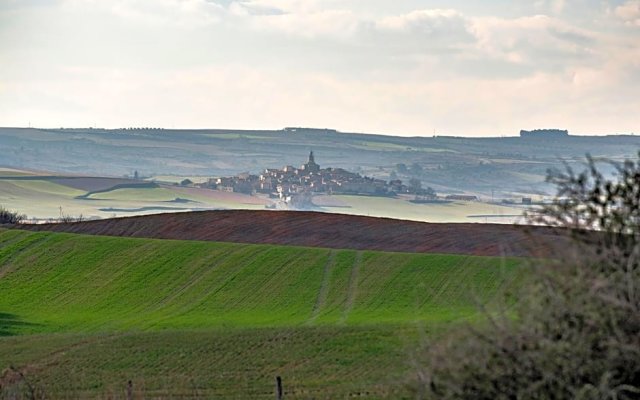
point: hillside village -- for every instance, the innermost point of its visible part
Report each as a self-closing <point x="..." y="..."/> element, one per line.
<point x="297" y="185"/>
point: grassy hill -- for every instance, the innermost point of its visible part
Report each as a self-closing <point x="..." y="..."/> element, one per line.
<point x="62" y="282"/>
<point x="81" y="315"/>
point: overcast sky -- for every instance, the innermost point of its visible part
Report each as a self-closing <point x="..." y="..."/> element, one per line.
<point x="401" y="67"/>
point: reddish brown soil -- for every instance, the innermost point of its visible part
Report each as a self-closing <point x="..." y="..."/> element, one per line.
<point x="324" y="230"/>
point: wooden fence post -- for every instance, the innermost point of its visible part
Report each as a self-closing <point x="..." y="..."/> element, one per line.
<point x="279" y="392"/>
<point x="130" y="390"/>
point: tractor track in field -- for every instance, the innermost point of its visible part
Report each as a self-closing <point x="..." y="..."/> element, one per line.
<point x="231" y="275"/>
<point x="6" y="265"/>
<point x="13" y="240"/>
<point x="324" y="287"/>
<point x="316" y="229"/>
<point x="352" y="288"/>
<point x="213" y="264"/>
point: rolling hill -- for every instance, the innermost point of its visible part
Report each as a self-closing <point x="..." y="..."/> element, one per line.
<point x="56" y="282"/>
<point x="80" y="315"/>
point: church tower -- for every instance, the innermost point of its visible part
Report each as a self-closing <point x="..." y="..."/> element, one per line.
<point x="311" y="166"/>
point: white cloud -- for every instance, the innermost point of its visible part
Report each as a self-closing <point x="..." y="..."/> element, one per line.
<point x="535" y="39"/>
<point x="420" y="20"/>
<point x="558" y="6"/>
<point x="285" y="6"/>
<point x="629" y="12"/>
<point x="555" y="7"/>
<point x="151" y="13"/>
<point x="271" y="63"/>
<point x="326" y="23"/>
<point x="446" y="25"/>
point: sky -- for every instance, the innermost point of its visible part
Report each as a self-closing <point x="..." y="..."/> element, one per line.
<point x="399" y="67"/>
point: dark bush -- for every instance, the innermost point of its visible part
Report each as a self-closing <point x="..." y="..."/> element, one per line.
<point x="10" y="217"/>
<point x="574" y="332"/>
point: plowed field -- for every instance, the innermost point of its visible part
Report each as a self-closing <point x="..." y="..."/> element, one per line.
<point x="315" y="229"/>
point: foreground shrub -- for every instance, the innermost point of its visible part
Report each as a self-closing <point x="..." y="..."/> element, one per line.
<point x="576" y="331"/>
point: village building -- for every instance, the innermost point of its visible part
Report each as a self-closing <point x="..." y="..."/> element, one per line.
<point x="461" y="197"/>
<point x="291" y="183"/>
<point x="311" y="166"/>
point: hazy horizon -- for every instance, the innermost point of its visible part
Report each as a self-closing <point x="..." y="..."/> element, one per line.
<point x="389" y="134"/>
<point x="402" y="68"/>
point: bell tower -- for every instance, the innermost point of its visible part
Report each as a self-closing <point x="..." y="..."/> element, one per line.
<point x="311" y="166"/>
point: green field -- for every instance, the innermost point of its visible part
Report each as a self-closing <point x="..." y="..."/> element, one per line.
<point x="315" y="362"/>
<point x="136" y="194"/>
<point x="42" y="199"/>
<point x="45" y="187"/>
<point x="83" y="314"/>
<point x="10" y="172"/>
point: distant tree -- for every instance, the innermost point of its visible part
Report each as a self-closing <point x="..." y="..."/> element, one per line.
<point x="416" y="169"/>
<point x="186" y="182"/>
<point x="402" y="168"/>
<point x="136" y="175"/>
<point x="67" y="218"/>
<point x="393" y="176"/>
<point x="11" y="217"/>
<point x="429" y="192"/>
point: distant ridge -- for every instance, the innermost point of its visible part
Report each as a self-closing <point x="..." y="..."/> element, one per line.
<point x="314" y="229"/>
<point x="545" y="134"/>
